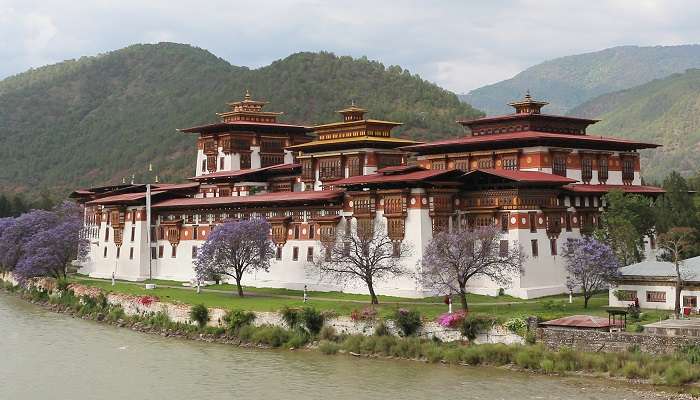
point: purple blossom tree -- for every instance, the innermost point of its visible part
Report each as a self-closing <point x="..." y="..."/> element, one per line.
<point x="591" y="265"/>
<point x="16" y="233"/>
<point x="452" y="259"/>
<point x="49" y="250"/>
<point x="234" y="248"/>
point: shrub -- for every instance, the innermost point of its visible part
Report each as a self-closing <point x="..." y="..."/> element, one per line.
<point x="631" y="370"/>
<point x="291" y="317"/>
<point x="633" y="312"/>
<point x="160" y="320"/>
<point x="547" y="366"/>
<point x="635" y="328"/>
<point x="273" y="336"/>
<point x="297" y="340"/>
<point x="473" y="325"/>
<point x="530" y="337"/>
<point x="116" y="312"/>
<point x="62" y="285"/>
<point x="408" y="321"/>
<point x="691" y="353"/>
<point x="434" y="353"/>
<point x="200" y="314"/>
<point x="452" y="320"/>
<point x="312" y="320"/>
<point x="516" y="325"/>
<point x="453" y="355"/>
<point x="328" y="333"/>
<point x="529" y="357"/>
<point x="327" y="347"/>
<point x="381" y="329"/>
<point x="353" y="344"/>
<point x="235" y="319"/>
<point x="678" y="374"/>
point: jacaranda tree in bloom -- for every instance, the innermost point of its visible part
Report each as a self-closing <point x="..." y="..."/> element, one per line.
<point x="452" y="259"/>
<point x="42" y="243"/>
<point x="234" y="248"/>
<point x="591" y="265"/>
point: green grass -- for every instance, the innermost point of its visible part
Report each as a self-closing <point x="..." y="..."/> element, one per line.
<point x="264" y="299"/>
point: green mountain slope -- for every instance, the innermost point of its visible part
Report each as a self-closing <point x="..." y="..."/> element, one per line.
<point x="569" y="81"/>
<point x="664" y="111"/>
<point x="98" y="119"/>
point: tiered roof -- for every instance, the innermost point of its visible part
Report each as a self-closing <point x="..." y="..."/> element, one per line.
<point x="250" y="175"/>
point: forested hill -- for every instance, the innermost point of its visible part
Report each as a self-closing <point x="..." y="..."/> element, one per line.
<point x="569" y="81"/>
<point x="664" y="111"/>
<point x="98" y="119"/>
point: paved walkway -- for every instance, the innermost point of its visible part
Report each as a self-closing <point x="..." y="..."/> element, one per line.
<point x="321" y="298"/>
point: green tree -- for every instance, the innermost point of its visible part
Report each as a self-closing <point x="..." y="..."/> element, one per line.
<point x="676" y="208"/>
<point x="626" y="220"/>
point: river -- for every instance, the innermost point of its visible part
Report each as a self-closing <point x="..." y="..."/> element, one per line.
<point x="44" y="355"/>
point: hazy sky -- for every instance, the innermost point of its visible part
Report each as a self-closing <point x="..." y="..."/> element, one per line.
<point x="460" y="45"/>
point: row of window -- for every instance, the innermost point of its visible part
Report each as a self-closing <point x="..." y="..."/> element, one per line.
<point x="295" y="253"/>
<point x="654" y="296"/>
<point x="210" y="161"/>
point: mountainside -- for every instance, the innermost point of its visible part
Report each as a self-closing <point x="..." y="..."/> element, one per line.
<point x="664" y="111"/>
<point x="569" y="81"/>
<point x="98" y="119"/>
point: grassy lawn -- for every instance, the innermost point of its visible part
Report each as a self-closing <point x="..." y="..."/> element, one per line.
<point x="266" y="299"/>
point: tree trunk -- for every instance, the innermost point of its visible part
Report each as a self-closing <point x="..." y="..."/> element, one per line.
<point x="463" y="299"/>
<point x="370" y="286"/>
<point x="586" y="297"/>
<point x="240" y="288"/>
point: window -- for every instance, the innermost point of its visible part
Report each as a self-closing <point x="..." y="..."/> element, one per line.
<point x="504" y="223"/>
<point x="389" y="160"/>
<point x="603" y="169"/>
<point x="105" y="252"/>
<point x="690" y="301"/>
<point x="296" y="232"/>
<point x="485" y="163"/>
<point x="173" y="251"/>
<point x="309" y="254"/>
<point x="204" y="165"/>
<point x="295" y="253"/>
<point x="627" y="169"/>
<point x="131" y="253"/>
<point x="568" y="222"/>
<point x="437" y="164"/>
<point x="312" y="231"/>
<point x="348" y="226"/>
<point x="133" y="233"/>
<point x="278" y="253"/>
<point x="221" y="164"/>
<point x="307" y="169"/>
<point x="106" y="234"/>
<point x="396" y="248"/>
<point x="553" y="246"/>
<point x="133" y="217"/>
<point x="354" y="166"/>
<point x="195" y="233"/>
<point x="656" y="296"/>
<point x="153" y="234"/>
<point x="154" y="253"/>
<point x="535" y="248"/>
<point x="586" y="170"/>
<point x="211" y="163"/>
<point x="330" y="168"/>
<point x="503" y="248"/>
<point x="245" y="161"/>
<point x="652" y="241"/>
<point x="119" y="251"/>
<point x="160" y="251"/>
<point x="510" y="163"/>
<point x="559" y="164"/>
<point x="626" y="295"/>
<point x="194" y="252"/>
<point x="267" y="160"/>
<point x="462" y="164"/>
<point x="533" y="222"/>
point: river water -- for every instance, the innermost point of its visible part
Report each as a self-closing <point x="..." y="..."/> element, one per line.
<point x="44" y="355"/>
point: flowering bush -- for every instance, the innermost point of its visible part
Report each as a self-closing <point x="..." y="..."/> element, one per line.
<point x="516" y="325"/>
<point x="408" y="321"/>
<point x="453" y="320"/>
<point x="147" y="300"/>
<point x="366" y="314"/>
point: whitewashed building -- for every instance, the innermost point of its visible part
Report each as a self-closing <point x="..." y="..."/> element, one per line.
<point x="539" y="177"/>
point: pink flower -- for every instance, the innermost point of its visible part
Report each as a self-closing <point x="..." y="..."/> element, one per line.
<point x="451" y="320"/>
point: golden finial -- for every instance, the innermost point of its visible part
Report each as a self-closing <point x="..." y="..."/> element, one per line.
<point x="247" y="94"/>
<point x="150" y="167"/>
<point x="156" y="179"/>
<point x="527" y="95"/>
<point x="123" y="180"/>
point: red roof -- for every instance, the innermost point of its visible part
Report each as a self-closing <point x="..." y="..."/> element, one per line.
<point x="524" y="176"/>
<point x="581" y="188"/>
<point x="526" y="136"/>
<point x="124" y="198"/>
<point x="277" y="198"/>
<point x="580" y="321"/>
<point x="423" y="175"/>
<point x="244" y="172"/>
<point x="236" y="124"/>
<point x="399" y="168"/>
<point x="525" y="116"/>
<point x="175" y="186"/>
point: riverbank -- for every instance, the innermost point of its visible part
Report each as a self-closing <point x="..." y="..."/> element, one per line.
<point x="634" y="367"/>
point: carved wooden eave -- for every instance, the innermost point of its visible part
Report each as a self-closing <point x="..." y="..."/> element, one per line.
<point x="364" y="203"/>
<point x="441" y="201"/>
<point x="172" y="230"/>
<point x="553" y="220"/>
<point x="279" y="228"/>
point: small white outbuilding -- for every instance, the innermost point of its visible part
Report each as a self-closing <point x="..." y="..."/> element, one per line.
<point x="653" y="283"/>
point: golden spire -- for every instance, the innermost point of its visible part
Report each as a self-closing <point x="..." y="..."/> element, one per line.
<point x="247" y="94"/>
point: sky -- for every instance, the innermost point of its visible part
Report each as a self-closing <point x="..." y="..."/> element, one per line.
<point x="460" y="45"/>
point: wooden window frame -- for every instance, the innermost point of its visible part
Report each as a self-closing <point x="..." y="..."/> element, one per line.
<point x="655" y="296"/>
<point x="534" y="248"/>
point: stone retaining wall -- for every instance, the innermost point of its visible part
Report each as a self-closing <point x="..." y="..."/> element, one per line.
<point x="134" y="305"/>
<point x="597" y="341"/>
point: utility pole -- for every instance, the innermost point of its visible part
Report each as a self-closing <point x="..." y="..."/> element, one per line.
<point x="148" y="231"/>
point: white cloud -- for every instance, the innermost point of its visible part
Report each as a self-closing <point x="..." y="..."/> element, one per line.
<point x="458" y="44"/>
